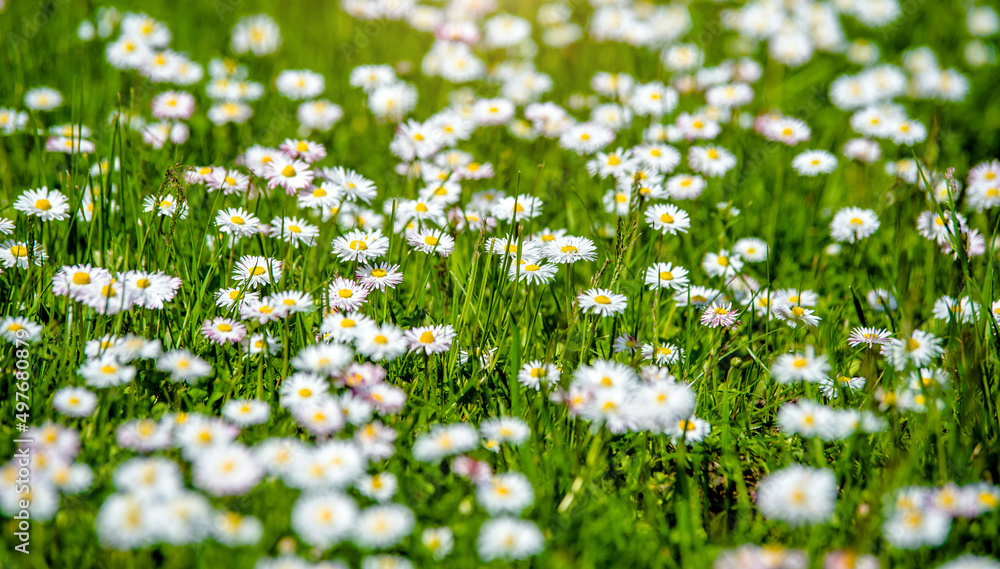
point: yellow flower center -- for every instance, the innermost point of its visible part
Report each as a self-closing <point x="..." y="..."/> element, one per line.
<point x="288" y="171"/>
<point x="427" y="337"/>
<point x="601" y="299"/>
<point x="225" y="328"/>
<point x="43" y="205"/>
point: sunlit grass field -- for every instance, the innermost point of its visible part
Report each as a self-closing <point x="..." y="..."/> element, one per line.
<point x="914" y="477"/>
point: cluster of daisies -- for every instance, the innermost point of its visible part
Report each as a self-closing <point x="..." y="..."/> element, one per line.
<point x="64" y="138"/>
<point x="922" y="516"/>
<point x="775" y="556"/>
<point x="611" y="394"/>
<point x="152" y="505"/>
<point x="108" y="293"/>
<point x="54" y="471"/>
<point x="502" y="495"/>
<point x="650" y="145"/>
<point x="142" y="46"/>
<point x="339" y="500"/>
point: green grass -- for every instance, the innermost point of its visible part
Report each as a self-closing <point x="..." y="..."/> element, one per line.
<point x="601" y="500"/>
